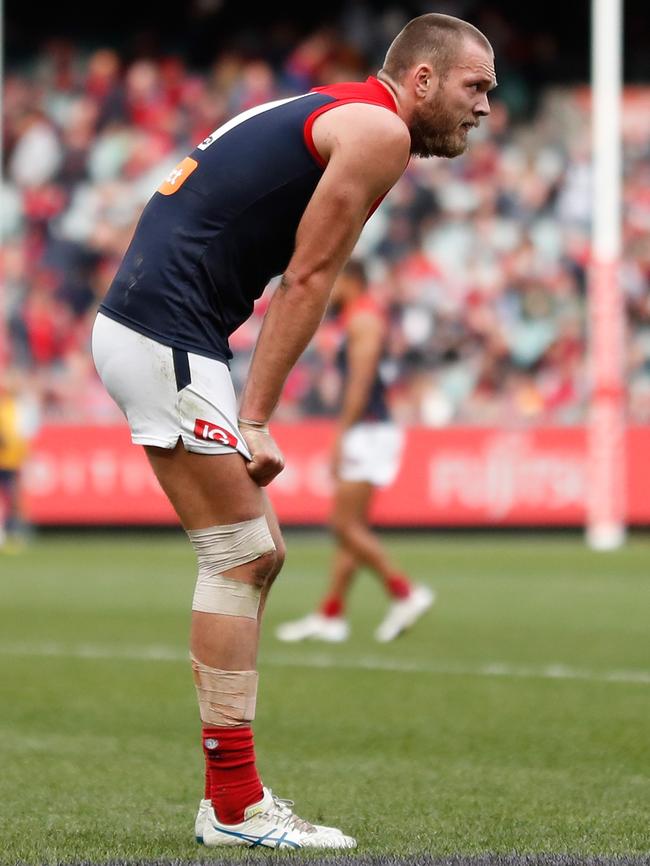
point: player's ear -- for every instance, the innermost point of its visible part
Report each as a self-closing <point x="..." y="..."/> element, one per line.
<point x="424" y="79"/>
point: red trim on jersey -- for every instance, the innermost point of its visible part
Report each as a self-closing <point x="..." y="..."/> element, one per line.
<point x="307" y="131"/>
<point x="363" y="304"/>
<point x="375" y="205"/>
<point x="371" y="87"/>
<point x="371" y="92"/>
<point x="309" y="123"/>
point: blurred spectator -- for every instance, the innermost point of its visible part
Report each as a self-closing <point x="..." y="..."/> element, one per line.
<point x="19" y="421"/>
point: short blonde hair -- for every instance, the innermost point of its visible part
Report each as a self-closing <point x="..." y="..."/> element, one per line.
<point x="433" y="38"/>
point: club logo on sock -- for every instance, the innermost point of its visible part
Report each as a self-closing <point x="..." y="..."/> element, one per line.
<point x="211" y="743"/>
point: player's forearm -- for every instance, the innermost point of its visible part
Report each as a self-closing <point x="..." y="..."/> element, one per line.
<point x="291" y="321"/>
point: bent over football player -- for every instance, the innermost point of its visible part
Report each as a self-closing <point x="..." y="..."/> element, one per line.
<point x="284" y="188"/>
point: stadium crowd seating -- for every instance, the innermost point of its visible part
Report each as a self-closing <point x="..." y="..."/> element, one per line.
<point x="482" y="261"/>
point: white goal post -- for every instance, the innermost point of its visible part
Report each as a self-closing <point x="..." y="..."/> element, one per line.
<point x="606" y="506"/>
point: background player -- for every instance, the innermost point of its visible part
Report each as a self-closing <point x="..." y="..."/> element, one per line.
<point x="19" y="422"/>
<point x="366" y="455"/>
<point x="285" y="187"/>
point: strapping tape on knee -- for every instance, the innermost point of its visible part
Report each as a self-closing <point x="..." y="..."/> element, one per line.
<point x="226" y="698"/>
<point x="219" y="548"/>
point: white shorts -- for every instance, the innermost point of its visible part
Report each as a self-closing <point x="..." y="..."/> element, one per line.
<point x="372" y="452"/>
<point x="166" y="393"/>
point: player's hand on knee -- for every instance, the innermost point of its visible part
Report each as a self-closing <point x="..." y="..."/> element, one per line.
<point x="267" y="460"/>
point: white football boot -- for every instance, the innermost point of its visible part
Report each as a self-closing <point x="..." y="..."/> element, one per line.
<point x="269" y="824"/>
<point x="315" y="626"/>
<point x="202" y="817"/>
<point x="404" y="612"/>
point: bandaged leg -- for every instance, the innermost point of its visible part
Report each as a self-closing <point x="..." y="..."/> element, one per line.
<point x="227" y="697"/>
<point x="220" y="548"/>
<point x="227" y="705"/>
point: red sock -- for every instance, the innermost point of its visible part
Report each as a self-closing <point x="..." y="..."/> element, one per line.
<point x="230" y="764"/>
<point x="398" y="586"/>
<point x="332" y="606"/>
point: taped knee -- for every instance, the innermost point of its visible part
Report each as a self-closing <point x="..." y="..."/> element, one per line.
<point x="219" y="548"/>
<point x="226" y="698"/>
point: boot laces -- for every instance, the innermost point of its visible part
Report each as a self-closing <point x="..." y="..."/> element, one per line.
<point x="282" y="812"/>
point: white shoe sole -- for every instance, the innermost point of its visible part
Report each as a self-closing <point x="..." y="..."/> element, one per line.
<point x="313" y="627"/>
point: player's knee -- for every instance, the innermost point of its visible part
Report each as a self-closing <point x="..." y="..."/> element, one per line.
<point x="221" y="548"/>
<point x="341" y="526"/>
<point x="264" y="568"/>
<point x="280" y="554"/>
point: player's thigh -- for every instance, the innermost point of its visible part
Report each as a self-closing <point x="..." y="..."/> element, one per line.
<point x="206" y="489"/>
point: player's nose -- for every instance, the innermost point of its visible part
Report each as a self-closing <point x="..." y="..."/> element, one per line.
<point x="482" y="107"/>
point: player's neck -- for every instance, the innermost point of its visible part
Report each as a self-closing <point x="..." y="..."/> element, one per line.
<point x="393" y="88"/>
<point x="404" y="100"/>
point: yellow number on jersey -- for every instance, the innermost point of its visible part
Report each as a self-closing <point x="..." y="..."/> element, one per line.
<point x="177" y="176"/>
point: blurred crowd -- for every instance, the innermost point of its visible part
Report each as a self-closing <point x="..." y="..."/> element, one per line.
<point x="481" y="261"/>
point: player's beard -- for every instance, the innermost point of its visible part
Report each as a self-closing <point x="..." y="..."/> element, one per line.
<point x="435" y="131"/>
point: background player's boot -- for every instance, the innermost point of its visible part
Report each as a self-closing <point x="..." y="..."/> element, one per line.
<point x="272" y="824"/>
<point x="315" y="626"/>
<point x="404" y="612"/>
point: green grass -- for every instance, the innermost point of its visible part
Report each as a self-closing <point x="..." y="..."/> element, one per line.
<point x="519" y="721"/>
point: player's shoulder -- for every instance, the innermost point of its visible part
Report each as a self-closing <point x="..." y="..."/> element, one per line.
<point x="376" y="120"/>
<point x="368" y="137"/>
<point x="350" y="119"/>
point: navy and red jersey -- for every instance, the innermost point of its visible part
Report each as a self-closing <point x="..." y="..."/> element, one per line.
<point x="224" y="223"/>
<point x="376" y="407"/>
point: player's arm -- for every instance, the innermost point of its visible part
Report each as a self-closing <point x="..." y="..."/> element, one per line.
<point x="367" y="149"/>
<point x="364" y="345"/>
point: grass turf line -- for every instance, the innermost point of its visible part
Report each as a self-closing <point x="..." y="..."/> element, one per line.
<point x="416" y="860"/>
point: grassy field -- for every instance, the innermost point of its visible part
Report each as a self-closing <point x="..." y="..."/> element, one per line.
<point x="514" y="718"/>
